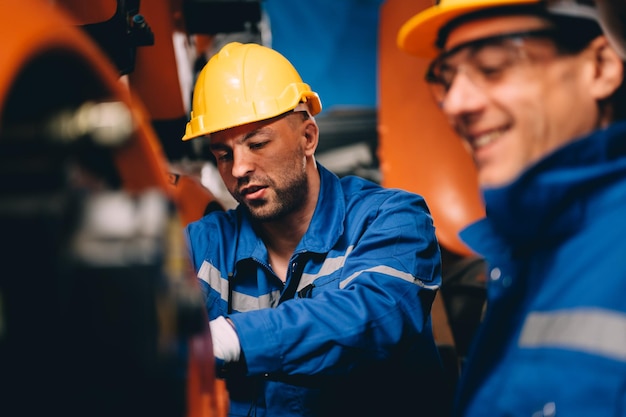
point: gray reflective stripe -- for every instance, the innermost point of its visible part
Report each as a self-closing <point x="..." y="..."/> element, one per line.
<point x="387" y="270"/>
<point x="329" y="266"/>
<point x="244" y="302"/>
<point x="212" y="276"/>
<point x="240" y="302"/>
<point x="595" y="331"/>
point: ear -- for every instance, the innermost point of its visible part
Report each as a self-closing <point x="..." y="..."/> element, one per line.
<point x="609" y="69"/>
<point x="311" y="134"/>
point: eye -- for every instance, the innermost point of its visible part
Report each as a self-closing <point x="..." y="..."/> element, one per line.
<point x="258" y="145"/>
<point x="446" y="76"/>
<point x="223" y="156"/>
<point x="492" y="61"/>
<point x="490" y="72"/>
<point x="440" y="74"/>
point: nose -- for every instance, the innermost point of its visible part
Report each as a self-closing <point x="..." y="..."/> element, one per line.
<point x="463" y="97"/>
<point x="242" y="163"/>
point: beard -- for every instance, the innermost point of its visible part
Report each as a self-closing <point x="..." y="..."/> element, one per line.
<point x="289" y="198"/>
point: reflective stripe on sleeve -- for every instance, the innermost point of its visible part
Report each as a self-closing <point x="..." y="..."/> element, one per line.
<point x="387" y="270"/>
<point x="595" y="331"/>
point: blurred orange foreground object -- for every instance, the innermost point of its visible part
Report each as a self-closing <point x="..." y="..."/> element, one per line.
<point x="191" y="196"/>
<point x="31" y="29"/>
<point x="417" y="149"/>
<point x="155" y="77"/>
<point x="88" y="12"/>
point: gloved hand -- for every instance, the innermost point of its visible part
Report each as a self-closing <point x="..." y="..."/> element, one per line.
<point x="226" y="347"/>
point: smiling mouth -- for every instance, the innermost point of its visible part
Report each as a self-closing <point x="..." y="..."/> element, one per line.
<point x="485" y="139"/>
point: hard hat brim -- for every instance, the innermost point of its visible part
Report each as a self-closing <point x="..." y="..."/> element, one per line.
<point x="418" y="35"/>
<point x="202" y="126"/>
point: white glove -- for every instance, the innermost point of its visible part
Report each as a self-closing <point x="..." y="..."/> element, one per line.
<point x="225" y="340"/>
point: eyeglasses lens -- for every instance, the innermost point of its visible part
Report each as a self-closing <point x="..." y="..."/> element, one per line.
<point x="483" y="64"/>
<point x="484" y="61"/>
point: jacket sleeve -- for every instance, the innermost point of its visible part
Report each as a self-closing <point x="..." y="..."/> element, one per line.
<point x="381" y="306"/>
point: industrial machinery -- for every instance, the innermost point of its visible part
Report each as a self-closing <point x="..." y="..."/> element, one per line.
<point x="99" y="313"/>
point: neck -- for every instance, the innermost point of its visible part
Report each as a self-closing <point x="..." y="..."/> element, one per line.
<point x="281" y="237"/>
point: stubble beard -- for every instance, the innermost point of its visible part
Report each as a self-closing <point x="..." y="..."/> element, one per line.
<point x="288" y="199"/>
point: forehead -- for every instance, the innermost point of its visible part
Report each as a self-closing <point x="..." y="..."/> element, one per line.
<point x="247" y="130"/>
<point x="490" y="26"/>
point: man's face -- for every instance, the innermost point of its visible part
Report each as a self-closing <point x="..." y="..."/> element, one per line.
<point x="263" y="165"/>
<point x="517" y="101"/>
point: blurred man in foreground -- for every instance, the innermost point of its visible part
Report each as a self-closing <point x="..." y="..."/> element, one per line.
<point x="536" y="91"/>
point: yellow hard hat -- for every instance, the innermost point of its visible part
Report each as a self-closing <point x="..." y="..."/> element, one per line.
<point x="245" y="83"/>
<point x="418" y="35"/>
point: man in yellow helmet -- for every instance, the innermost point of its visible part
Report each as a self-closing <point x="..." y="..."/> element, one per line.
<point x="318" y="289"/>
<point x="535" y="90"/>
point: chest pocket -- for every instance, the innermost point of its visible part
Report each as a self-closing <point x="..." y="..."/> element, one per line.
<point x="312" y="286"/>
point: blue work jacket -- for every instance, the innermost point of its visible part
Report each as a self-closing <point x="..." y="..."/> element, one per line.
<point x="349" y="332"/>
<point x="553" y="340"/>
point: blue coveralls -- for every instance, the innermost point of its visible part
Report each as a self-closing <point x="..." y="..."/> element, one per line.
<point x="553" y="341"/>
<point x="349" y="333"/>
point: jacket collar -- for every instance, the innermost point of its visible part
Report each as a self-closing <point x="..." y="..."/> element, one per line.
<point x="555" y="196"/>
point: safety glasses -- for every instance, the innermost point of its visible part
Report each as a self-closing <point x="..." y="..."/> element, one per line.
<point x="484" y="61"/>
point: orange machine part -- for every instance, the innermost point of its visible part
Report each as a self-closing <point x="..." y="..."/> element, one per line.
<point x="89" y="12"/>
<point x="155" y="77"/>
<point x="35" y="27"/>
<point x="418" y="150"/>
<point x="32" y="27"/>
